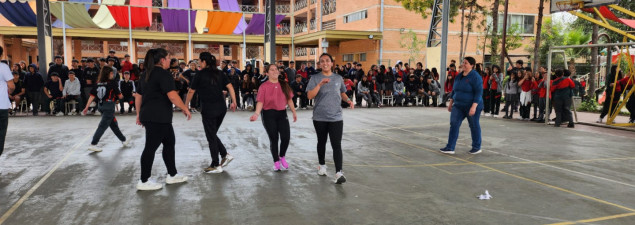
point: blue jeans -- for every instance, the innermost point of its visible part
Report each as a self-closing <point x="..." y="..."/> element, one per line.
<point x="108" y="119"/>
<point x="458" y="114"/>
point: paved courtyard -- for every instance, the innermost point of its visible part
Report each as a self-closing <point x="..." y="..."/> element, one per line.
<point x="536" y="174"/>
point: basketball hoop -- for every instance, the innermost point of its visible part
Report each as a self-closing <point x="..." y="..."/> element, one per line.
<point x="569" y="5"/>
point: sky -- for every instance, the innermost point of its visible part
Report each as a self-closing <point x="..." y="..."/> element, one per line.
<point x="563" y="17"/>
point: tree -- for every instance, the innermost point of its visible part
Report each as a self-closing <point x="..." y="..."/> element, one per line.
<point x="538" y="29"/>
<point x="471" y="19"/>
<point x="414" y="45"/>
<point x="551" y="34"/>
<point x="424" y="7"/>
<point x="494" y="32"/>
<point x="577" y="37"/>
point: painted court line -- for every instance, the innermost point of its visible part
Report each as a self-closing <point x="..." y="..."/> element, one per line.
<point x="604" y="218"/>
<point x="39" y="183"/>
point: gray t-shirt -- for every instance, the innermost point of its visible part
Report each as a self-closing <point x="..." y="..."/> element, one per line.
<point x="328" y="101"/>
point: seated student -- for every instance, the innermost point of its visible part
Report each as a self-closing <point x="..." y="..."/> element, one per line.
<point x="398" y="91"/>
<point x="363" y="90"/>
<point x="299" y="91"/>
<point x="53" y="90"/>
<point x="434" y="90"/>
<point x="19" y="91"/>
<point x="422" y="90"/>
<point x="412" y="89"/>
<point x="126" y="87"/>
<point x="349" y="90"/>
<point x="72" y="91"/>
<point x="375" y="92"/>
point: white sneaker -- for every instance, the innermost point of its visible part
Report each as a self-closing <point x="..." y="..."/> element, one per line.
<point x="97" y="113"/>
<point x="178" y="178"/>
<point x="218" y="169"/>
<point x="322" y="170"/>
<point x="599" y="120"/>
<point x="225" y="161"/>
<point x="339" y="178"/>
<point x="148" y="186"/>
<point x="487" y="114"/>
<point x="495" y="116"/>
<point x="94" y="148"/>
<point x="126" y="143"/>
<point x="59" y="114"/>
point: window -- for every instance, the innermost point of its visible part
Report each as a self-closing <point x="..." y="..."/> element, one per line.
<point x="362" y="57"/>
<point x="356" y="16"/>
<point x="359" y="57"/>
<point x="347" y="57"/>
<point x="524" y="22"/>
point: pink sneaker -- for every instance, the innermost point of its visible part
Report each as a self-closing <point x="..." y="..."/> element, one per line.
<point x="276" y="166"/>
<point x="284" y="163"/>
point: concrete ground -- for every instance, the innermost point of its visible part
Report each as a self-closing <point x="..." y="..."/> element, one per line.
<point x="535" y="173"/>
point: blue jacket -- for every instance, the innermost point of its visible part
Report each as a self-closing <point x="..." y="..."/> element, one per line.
<point x="468" y="89"/>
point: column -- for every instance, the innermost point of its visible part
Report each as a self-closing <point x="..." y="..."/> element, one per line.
<point x="77" y="49"/>
<point x="69" y="50"/>
<point x="106" y="49"/>
<point x="4" y="47"/>
<point x="132" y="47"/>
<point x="186" y="54"/>
<point x="235" y="52"/>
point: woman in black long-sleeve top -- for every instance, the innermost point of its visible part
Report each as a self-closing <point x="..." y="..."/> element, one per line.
<point x="154" y="99"/>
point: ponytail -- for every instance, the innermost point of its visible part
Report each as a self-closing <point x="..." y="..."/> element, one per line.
<point x="286" y="89"/>
<point x="153" y="56"/>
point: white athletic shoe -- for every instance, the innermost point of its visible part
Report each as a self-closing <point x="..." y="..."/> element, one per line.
<point x="599" y="120"/>
<point x="225" y="161"/>
<point x="487" y="114"/>
<point x="59" y="114"/>
<point x="126" y="143"/>
<point x="178" y="178"/>
<point x="148" y="186"/>
<point x="339" y="178"/>
<point x="97" y="113"/>
<point x="495" y="116"/>
<point x="322" y="170"/>
<point x="218" y="169"/>
<point x="94" y="148"/>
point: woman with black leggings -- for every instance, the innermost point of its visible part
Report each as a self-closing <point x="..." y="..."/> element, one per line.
<point x="328" y="90"/>
<point x="209" y="83"/>
<point x="154" y="99"/>
<point x="274" y="96"/>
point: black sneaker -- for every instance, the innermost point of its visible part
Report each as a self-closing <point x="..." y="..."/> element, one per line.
<point x="571" y="125"/>
<point x="447" y="151"/>
<point x="475" y="151"/>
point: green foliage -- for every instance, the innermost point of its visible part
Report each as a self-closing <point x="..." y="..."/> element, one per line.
<point x="552" y="34"/>
<point x="587" y="26"/>
<point x="589" y="106"/>
<point x="424" y="7"/>
<point x="414" y="45"/>
<point x="577" y="37"/>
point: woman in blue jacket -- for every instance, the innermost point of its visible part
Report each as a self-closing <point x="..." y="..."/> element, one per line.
<point x="466" y="101"/>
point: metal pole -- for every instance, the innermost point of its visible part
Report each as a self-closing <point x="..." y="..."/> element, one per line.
<point x="244" y="50"/>
<point x="64" y="35"/>
<point x="270" y="31"/>
<point x="130" y="44"/>
<point x="189" y="35"/>
<point x="381" y="29"/>
<point x="504" y="42"/>
<point x="548" y="86"/>
<point x="444" y="40"/>
<point x="44" y="36"/>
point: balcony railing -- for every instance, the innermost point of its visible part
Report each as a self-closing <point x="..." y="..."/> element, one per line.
<point x="328" y="25"/>
<point x="253" y="52"/>
<point x="300" y="51"/>
<point x="227" y="51"/>
<point x="313" y="24"/>
<point x="249" y="8"/>
<point x="283" y="29"/>
<point x="285" y="52"/>
<point x="92" y="47"/>
<point x="328" y="7"/>
<point x="282" y="9"/>
<point x="300" y="27"/>
<point x="157" y="3"/>
<point x="313" y="1"/>
<point x="300" y="4"/>
<point x="312" y="51"/>
<point x="118" y="48"/>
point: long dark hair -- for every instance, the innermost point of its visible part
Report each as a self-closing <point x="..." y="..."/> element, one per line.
<point x="498" y="69"/>
<point x="104" y="74"/>
<point x="210" y="64"/>
<point x="153" y="57"/>
<point x="283" y="83"/>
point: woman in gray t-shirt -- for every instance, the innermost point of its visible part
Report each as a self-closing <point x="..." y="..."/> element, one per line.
<point x="328" y="90"/>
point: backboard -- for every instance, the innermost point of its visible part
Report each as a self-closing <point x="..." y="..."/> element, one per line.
<point x="569" y="5"/>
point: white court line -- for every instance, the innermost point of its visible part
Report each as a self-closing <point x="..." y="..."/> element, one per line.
<point x="39" y="183"/>
<point x="523" y="159"/>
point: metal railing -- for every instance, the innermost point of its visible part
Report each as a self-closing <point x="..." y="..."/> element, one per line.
<point x="328" y="7"/>
<point x="283" y="29"/>
<point x="312" y="51"/>
<point x="328" y="25"/>
<point x="249" y="8"/>
<point x="300" y="4"/>
<point x="282" y="9"/>
<point x="313" y="24"/>
<point x="313" y="1"/>
<point x="253" y="52"/>
<point x="214" y="50"/>
<point x="285" y="52"/>
<point x="227" y="51"/>
<point x="157" y="3"/>
<point x="118" y="48"/>
<point x="92" y="47"/>
<point x="300" y="51"/>
<point x="300" y="27"/>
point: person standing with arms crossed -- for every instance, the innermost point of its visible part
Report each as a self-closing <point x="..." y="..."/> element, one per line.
<point x="209" y="83"/>
<point x="6" y="87"/>
<point x="154" y="99"/>
<point x="466" y="102"/>
<point x="328" y="90"/>
<point x="273" y="97"/>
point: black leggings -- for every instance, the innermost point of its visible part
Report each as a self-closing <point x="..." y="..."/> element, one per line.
<point x="211" y="122"/>
<point x="277" y="125"/>
<point x="608" y="101"/>
<point x="333" y="130"/>
<point x="495" y="101"/>
<point x="157" y="134"/>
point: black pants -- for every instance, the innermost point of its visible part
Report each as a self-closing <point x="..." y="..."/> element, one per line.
<point x="277" y="125"/>
<point x="610" y="102"/>
<point x="157" y="134"/>
<point x="563" y="110"/>
<point x="446" y="97"/>
<point x="36" y="100"/>
<point x="495" y="101"/>
<point x="129" y="100"/>
<point x="4" y="123"/>
<point x="630" y="105"/>
<point x="535" y="102"/>
<point x="510" y="100"/>
<point x="237" y="93"/>
<point x="487" y="101"/>
<point x="212" y="119"/>
<point x="525" y="111"/>
<point x="333" y="130"/>
<point x="194" y="102"/>
<point x="108" y="119"/>
<point x="304" y="101"/>
<point x="543" y="106"/>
